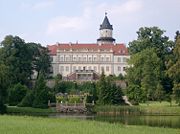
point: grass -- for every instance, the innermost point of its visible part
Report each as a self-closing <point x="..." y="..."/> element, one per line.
<point x="38" y="125"/>
<point x="150" y="108"/>
<point x="28" y="110"/>
<point x="160" y="108"/>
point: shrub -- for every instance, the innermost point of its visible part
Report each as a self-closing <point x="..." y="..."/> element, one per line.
<point x="16" y="94"/>
<point x="41" y="95"/>
<point x="27" y="100"/>
<point x="2" y="108"/>
<point x="74" y="98"/>
<point x="41" y="101"/>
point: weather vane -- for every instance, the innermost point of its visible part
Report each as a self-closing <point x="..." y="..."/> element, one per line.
<point x="105" y="13"/>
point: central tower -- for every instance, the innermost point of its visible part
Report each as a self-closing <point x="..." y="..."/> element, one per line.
<point x="106" y="32"/>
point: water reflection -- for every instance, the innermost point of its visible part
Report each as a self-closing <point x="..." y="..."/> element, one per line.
<point x="157" y="121"/>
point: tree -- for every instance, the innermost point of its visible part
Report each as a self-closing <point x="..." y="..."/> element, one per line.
<point x="159" y="93"/>
<point x="41" y="95"/>
<point x="116" y="95"/>
<point x="16" y="56"/>
<point x="16" y="94"/>
<point x="134" y="93"/>
<point x="102" y="89"/>
<point x="42" y="62"/>
<point x="108" y="92"/>
<point x="144" y="73"/>
<point x="23" y="59"/>
<point x="3" y="87"/>
<point x="153" y="37"/>
<point x="174" y="68"/>
<point x="27" y="100"/>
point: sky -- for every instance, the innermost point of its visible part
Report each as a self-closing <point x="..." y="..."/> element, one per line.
<point x="51" y="21"/>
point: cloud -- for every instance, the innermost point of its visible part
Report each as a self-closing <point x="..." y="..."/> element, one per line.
<point x="121" y="13"/>
<point x="38" y="5"/>
<point x="63" y="23"/>
<point x="43" y="5"/>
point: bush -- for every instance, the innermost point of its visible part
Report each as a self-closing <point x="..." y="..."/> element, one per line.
<point x="41" y="95"/>
<point x="27" y="100"/>
<point x="41" y="101"/>
<point x="74" y="98"/>
<point x="16" y="94"/>
<point x="61" y="99"/>
<point x="2" y="108"/>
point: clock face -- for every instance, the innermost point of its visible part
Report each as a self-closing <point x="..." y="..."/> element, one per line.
<point x="106" y="33"/>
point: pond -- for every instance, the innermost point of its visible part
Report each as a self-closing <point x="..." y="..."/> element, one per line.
<point x="155" y="121"/>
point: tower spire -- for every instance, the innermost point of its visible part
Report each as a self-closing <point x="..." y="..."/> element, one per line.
<point x="106" y="30"/>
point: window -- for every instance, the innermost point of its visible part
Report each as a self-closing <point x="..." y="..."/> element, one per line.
<point x="119" y="68"/>
<point x="62" y="68"/>
<point x="95" y="68"/>
<point x="90" y="58"/>
<point x="67" y="69"/>
<point x="124" y="59"/>
<point x="79" y="58"/>
<point x="107" y="68"/>
<point x="119" y="59"/>
<point x="84" y="58"/>
<point x="95" y="58"/>
<point x="102" y="58"/>
<point x="74" y="59"/>
<point x="89" y="68"/>
<point x="79" y="68"/>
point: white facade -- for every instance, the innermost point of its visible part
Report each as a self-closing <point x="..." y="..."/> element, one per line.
<point x="66" y="62"/>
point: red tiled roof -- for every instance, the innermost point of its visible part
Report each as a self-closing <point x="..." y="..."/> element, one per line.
<point x="118" y="49"/>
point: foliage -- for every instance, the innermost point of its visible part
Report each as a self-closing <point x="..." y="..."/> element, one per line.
<point x="144" y="73"/>
<point x="159" y="93"/>
<point x="27" y="100"/>
<point x="176" y="92"/>
<point x="41" y="95"/>
<point x="3" y="87"/>
<point x="149" y="56"/>
<point x="108" y="92"/>
<point x="74" y="98"/>
<point x="120" y="77"/>
<point x="64" y="86"/>
<point x="62" y="99"/>
<point x="16" y="56"/>
<point x="23" y="58"/>
<point x="42" y="62"/>
<point x="174" y="68"/>
<point x="134" y="93"/>
<point x="16" y="94"/>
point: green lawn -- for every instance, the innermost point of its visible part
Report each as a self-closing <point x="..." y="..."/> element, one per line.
<point x="150" y="108"/>
<point x="29" y="110"/>
<point x="38" y="125"/>
<point x="160" y="108"/>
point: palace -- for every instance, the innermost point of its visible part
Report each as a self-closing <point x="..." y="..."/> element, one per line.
<point x="76" y="61"/>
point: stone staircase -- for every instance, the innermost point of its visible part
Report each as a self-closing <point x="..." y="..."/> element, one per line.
<point x="125" y="98"/>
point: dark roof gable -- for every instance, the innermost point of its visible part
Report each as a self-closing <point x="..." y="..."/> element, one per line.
<point x="106" y="24"/>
